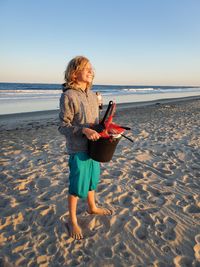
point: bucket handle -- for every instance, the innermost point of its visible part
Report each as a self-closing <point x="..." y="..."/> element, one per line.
<point x="127" y="138"/>
<point x="106" y="113"/>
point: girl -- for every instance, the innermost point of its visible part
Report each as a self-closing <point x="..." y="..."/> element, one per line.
<point x="79" y="111"/>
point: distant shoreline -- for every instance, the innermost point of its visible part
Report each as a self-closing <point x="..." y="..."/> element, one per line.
<point x="21" y="120"/>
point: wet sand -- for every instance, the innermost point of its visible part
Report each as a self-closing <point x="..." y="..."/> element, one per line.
<point x="152" y="185"/>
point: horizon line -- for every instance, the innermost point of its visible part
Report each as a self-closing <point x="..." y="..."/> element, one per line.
<point x="103" y="84"/>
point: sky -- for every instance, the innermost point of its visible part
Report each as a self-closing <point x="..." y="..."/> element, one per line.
<point x="129" y="42"/>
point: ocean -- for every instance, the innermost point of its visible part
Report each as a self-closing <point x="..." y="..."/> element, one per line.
<point x="29" y="97"/>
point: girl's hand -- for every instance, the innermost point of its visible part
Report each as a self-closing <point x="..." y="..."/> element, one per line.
<point x="91" y="134"/>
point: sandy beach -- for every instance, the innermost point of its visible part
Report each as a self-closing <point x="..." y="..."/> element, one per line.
<point x="152" y="186"/>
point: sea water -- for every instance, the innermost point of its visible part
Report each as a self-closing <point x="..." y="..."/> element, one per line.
<point x="29" y="97"/>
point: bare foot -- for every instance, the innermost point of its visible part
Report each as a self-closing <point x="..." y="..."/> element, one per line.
<point x="75" y="231"/>
<point x="100" y="211"/>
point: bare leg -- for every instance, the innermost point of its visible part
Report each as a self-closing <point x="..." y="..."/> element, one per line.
<point x="75" y="230"/>
<point x="93" y="209"/>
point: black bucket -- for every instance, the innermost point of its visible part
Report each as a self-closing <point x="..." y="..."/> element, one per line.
<point x="103" y="149"/>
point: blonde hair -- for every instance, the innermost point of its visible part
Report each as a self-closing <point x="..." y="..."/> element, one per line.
<point x="76" y="64"/>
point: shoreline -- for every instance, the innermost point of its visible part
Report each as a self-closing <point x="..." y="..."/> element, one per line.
<point x="22" y="120"/>
<point x="11" y="106"/>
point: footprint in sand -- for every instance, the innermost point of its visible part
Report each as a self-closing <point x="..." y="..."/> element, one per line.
<point x="166" y="228"/>
<point x="120" y="246"/>
<point x="126" y="200"/>
<point x="23" y="227"/>
<point x="152" y="190"/>
<point x="145" y="217"/>
<point x="181" y="261"/>
<point x="105" y="252"/>
<point x="140" y="188"/>
<point x="137" y="175"/>
<point x="166" y="249"/>
<point x="189" y="198"/>
<point x="169" y="183"/>
<point x="155" y="196"/>
<point x="140" y="231"/>
<point x="170" y="222"/>
<point x="121" y="221"/>
<point x="181" y="203"/>
<point x="136" y="165"/>
<point x="121" y="249"/>
<point x="46" y="217"/>
<point x="169" y="235"/>
<point x="160" y="227"/>
<point x="191" y="208"/>
<point x="43" y="183"/>
<point x="163" y="168"/>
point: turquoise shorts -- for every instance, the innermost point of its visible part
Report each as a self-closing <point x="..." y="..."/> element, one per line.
<point x="84" y="174"/>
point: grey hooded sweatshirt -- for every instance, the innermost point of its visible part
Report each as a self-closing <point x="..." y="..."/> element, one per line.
<point x="78" y="109"/>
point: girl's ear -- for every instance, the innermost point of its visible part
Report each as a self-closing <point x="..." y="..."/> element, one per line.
<point x="74" y="76"/>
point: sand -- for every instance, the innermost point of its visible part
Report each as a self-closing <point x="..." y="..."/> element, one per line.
<point x="152" y="185"/>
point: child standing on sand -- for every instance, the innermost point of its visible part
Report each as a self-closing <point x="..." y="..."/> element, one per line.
<point x="79" y="111"/>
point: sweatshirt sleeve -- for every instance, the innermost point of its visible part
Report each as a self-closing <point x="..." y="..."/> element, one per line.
<point x="67" y="112"/>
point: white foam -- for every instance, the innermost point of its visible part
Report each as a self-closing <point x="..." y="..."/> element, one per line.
<point x="39" y="104"/>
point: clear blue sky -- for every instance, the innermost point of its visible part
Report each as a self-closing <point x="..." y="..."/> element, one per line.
<point x="146" y="42"/>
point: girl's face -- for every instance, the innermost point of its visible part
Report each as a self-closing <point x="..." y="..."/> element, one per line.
<point x="85" y="76"/>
